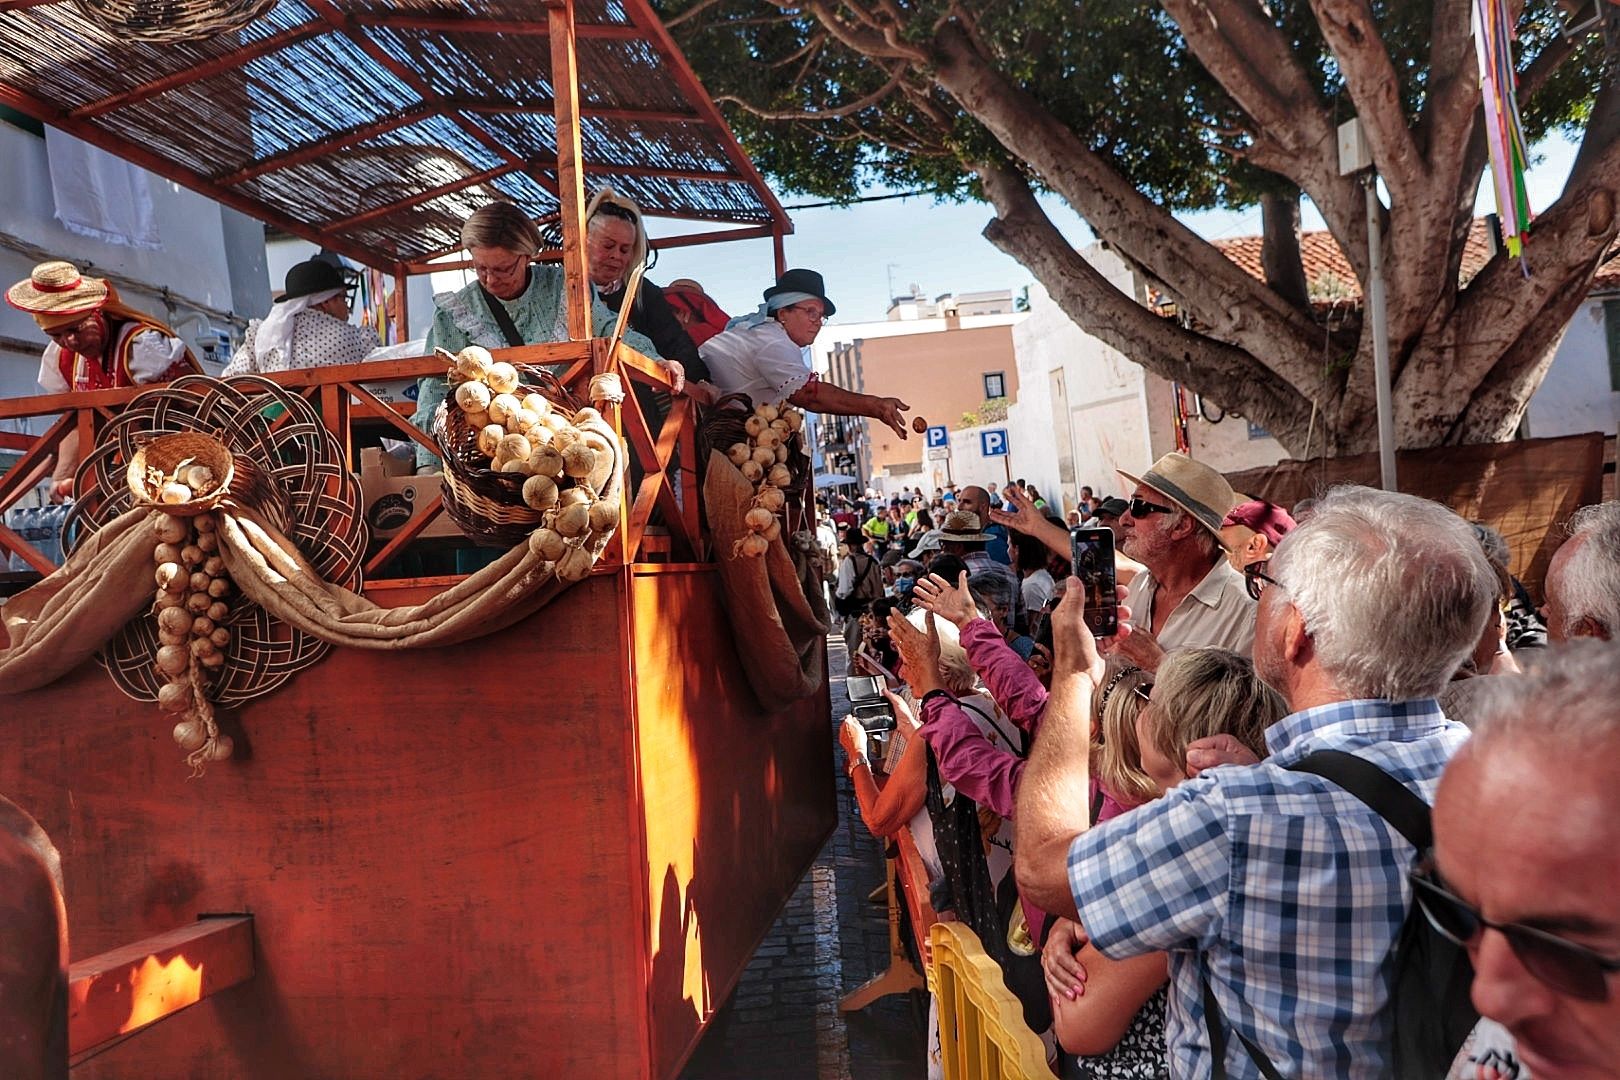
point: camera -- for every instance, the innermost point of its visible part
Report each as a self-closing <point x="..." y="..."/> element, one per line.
<point x="867" y="704"/>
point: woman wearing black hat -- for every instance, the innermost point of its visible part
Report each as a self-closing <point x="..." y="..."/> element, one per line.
<point x="762" y="355"/>
<point x="308" y="326"/>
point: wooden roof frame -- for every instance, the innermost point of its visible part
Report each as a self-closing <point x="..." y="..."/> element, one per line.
<point x="562" y="178"/>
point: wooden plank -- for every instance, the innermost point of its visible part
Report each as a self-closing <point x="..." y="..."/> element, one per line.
<point x="23" y="475"/>
<point x="439" y="863"/>
<point x="736" y="806"/>
<point x="504" y="27"/>
<point x="472" y="180"/>
<point x="326" y="145"/>
<point x="130" y="987"/>
<point x="10" y="541"/>
<point x="408" y="532"/>
<point x="16" y="440"/>
<point x="570" y="171"/>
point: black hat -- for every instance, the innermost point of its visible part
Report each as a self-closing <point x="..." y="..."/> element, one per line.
<point x="805" y="281"/>
<point x="313" y="276"/>
<point x="1112" y="507"/>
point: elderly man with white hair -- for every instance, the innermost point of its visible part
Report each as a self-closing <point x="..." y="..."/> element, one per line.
<point x="1583" y="579"/>
<point x="1276" y="891"/>
<point x="1526" y="868"/>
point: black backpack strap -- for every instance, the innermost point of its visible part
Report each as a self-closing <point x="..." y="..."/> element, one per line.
<point x="503" y="318"/>
<point x="1215" y="1025"/>
<point x="1016" y="745"/>
<point x="1386" y="796"/>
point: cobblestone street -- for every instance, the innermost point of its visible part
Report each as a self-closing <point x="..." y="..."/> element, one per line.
<point x="783" y="1021"/>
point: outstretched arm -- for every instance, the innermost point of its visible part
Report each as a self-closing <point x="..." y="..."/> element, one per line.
<point x="823" y="397"/>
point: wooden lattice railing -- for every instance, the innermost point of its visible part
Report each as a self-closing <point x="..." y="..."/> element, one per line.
<point x="342" y="399"/>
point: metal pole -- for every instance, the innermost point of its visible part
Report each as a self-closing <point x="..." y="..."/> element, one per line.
<point x="1380" y="330"/>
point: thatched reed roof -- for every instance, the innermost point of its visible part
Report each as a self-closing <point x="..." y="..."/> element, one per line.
<point x="376" y="127"/>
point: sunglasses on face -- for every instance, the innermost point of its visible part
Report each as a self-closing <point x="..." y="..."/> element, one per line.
<point x="1255" y="579"/>
<point x="1563" y="966"/>
<point x="1141" y="508"/>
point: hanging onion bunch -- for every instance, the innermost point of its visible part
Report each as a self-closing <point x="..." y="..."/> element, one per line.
<point x="773" y="432"/>
<point x="574" y="519"/>
<point x="192" y="605"/>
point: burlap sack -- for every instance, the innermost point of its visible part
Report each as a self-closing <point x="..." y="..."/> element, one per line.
<point x="778" y="631"/>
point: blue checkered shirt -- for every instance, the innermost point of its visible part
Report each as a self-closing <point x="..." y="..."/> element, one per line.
<point x="1286" y="890"/>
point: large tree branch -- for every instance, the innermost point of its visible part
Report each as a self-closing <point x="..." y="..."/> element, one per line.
<point x="1238" y="309"/>
<point x="1452" y="91"/>
<point x="834" y="112"/>
<point x="1351" y="31"/>
<point x="1227" y="375"/>
<point x="1279" y="248"/>
<point x="1294" y="135"/>
<point x="1493" y="350"/>
<point x="1602" y="131"/>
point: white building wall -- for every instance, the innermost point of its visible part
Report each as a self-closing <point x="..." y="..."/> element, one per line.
<point x="1578" y="394"/>
<point x="212" y="260"/>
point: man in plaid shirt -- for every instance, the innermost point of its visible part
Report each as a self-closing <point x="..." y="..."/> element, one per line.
<point x="1284" y="891"/>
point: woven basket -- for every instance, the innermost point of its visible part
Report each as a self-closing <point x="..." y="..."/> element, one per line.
<point x="172" y="20"/>
<point x="165" y="453"/>
<point x="722" y="424"/>
<point x="487" y="505"/>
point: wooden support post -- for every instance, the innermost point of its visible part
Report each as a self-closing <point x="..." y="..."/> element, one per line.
<point x="780" y="252"/>
<point x="402" y="306"/>
<point x="124" y="990"/>
<point x="570" y="174"/>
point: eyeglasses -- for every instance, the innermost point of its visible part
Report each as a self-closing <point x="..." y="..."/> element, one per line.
<point x="1255" y="579"/>
<point x="1141" y="508"/>
<point x="517" y="264"/>
<point x="811" y="313"/>
<point x="1562" y="965"/>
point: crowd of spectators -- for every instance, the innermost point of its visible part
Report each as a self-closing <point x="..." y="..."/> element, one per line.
<point x="1222" y="860"/>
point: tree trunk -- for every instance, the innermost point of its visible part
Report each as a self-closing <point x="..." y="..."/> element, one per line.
<point x="1279" y="248"/>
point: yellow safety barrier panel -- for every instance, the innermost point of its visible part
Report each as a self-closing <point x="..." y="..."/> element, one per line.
<point x="982" y="1034"/>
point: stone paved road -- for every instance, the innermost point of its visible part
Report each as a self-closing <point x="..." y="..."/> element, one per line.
<point x="783" y="1021"/>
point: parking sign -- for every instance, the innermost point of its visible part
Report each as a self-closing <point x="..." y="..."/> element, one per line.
<point x="993" y="443"/>
<point x="938" y="435"/>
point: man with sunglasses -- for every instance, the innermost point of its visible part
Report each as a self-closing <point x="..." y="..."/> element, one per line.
<point x="1526" y="866"/>
<point x="1278" y="894"/>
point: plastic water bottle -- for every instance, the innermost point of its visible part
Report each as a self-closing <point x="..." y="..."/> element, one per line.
<point x="51" y="530"/>
<point x="28" y="530"/>
<point x="14" y="522"/>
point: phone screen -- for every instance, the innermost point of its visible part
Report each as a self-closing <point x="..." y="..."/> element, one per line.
<point x="1093" y="554"/>
<point x="863" y="687"/>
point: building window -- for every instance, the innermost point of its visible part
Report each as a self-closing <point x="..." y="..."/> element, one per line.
<point x="1611" y="336"/>
<point x="995" y="385"/>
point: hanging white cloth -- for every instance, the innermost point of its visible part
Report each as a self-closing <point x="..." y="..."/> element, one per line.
<point x="275" y="333"/>
<point x="100" y="196"/>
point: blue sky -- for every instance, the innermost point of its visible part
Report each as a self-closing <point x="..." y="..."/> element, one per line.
<point x="861" y="249"/>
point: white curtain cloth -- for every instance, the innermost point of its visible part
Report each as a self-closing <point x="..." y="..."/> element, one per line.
<point x="100" y="196"/>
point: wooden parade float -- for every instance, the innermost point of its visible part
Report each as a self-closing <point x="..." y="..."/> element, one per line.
<point x="548" y="850"/>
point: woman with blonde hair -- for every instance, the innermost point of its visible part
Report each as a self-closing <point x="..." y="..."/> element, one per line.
<point x="615" y="244"/>
<point x="1110" y="1013"/>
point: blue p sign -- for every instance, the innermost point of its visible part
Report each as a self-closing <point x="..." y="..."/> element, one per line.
<point x="993" y="443"/>
<point x="938" y="435"/>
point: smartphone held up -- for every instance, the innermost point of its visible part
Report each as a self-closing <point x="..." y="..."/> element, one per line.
<point x="1092" y="551"/>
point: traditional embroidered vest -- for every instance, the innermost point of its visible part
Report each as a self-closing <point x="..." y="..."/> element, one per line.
<point x="83" y="373"/>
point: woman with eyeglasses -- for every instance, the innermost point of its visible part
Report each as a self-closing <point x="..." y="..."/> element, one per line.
<point x="615" y="244"/>
<point x="513" y="301"/>
<point x="763" y="355"/>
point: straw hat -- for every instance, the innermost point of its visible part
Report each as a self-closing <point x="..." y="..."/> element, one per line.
<point x="1196" y="488"/>
<point x="57" y="288"/>
<point x="962" y="526"/>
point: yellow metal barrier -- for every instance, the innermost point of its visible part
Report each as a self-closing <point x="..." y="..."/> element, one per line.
<point x="982" y="1034"/>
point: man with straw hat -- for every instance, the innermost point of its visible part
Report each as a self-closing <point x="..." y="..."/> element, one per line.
<point x="97" y="343"/>
<point x="1189" y="594"/>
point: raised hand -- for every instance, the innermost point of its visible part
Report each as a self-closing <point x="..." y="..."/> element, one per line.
<point x="953" y="603"/>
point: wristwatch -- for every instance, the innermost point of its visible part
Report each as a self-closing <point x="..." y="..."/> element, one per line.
<point x="855" y="763"/>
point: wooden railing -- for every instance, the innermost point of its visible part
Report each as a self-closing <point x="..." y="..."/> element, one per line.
<point x="342" y="399"/>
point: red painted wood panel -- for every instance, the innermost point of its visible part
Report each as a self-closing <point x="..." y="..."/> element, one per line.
<point x="738" y="802"/>
<point x="432" y="844"/>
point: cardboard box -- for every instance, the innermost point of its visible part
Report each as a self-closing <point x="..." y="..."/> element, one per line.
<point x="392" y="495"/>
